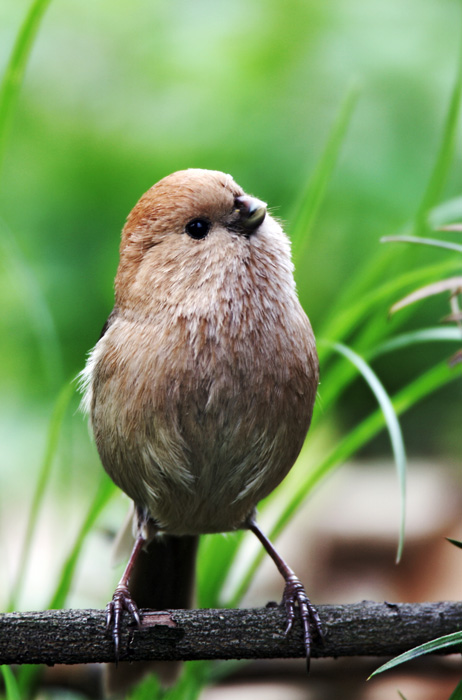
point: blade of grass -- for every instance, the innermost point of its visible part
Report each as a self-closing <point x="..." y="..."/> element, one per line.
<point x="425" y="335"/>
<point x="148" y="689"/>
<point x="393" y="426"/>
<point x="371" y="331"/>
<point x="448" y="640"/>
<point x="28" y="675"/>
<point x="192" y="682"/>
<point x="445" y="213"/>
<point x="195" y="676"/>
<point x="365" y="279"/>
<point x="216" y="556"/>
<point x="419" y="388"/>
<point x="104" y="492"/>
<point x="42" y="320"/>
<point x="11" y="685"/>
<point x="310" y="201"/>
<point x="341" y="324"/>
<point x="447" y="245"/>
<point x="341" y="374"/>
<point x="35" y="304"/>
<point x="54" y="431"/>
<point x="445" y="154"/>
<point x="15" y="69"/>
<point x="452" y="285"/>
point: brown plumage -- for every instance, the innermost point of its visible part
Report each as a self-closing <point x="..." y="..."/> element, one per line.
<point x="201" y="388"/>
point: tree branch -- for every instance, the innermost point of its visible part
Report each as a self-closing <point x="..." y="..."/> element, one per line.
<point x="362" y="629"/>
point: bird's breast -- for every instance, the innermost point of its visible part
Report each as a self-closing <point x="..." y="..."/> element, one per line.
<point x="199" y="418"/>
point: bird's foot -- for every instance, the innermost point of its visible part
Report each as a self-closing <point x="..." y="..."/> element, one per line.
<point x="294" y="593"/>
<point x="121" y="600"/>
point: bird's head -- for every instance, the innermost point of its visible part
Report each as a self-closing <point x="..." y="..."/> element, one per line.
<point x="192" y="229"/>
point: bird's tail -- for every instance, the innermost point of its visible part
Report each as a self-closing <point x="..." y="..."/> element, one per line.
<point x="162" y="579"/>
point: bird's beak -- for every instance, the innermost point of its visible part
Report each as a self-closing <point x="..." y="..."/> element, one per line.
<point x="251" y="212"/>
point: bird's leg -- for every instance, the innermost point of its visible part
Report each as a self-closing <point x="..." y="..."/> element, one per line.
<point x="294" y="592"/>
<point x="122" y="600"/>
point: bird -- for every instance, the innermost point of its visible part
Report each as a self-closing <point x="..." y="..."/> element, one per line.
<point x="200" y="390"/>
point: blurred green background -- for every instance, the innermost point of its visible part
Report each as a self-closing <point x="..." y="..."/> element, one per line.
<point x="118" y="95"/>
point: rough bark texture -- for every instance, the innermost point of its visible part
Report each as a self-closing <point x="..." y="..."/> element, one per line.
<point x="362" y="629"/>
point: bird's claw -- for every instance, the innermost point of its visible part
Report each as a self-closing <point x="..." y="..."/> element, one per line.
<point x="294" y="592"/>
<point x="121" y="600"/>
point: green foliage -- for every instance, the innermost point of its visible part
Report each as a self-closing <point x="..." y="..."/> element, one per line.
<point x="195" y="676"/>
<point x="54" y="431"/>
<point x="11" y="686"/>
<point x="103" y="494"/>
<point x="311" y="199"/>
<point x="14" y="72"/>
<point x="449" y="640"/>
<point x="424" y="241"/>
<point x="39" y="313"/>
<point x="445" y="155"/>
<point x="393" y="427"/>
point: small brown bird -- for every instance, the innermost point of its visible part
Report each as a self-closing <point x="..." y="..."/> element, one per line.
<point x="201" y="388"/>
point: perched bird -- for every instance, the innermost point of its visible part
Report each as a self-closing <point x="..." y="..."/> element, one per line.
<point x="201" y="388"/>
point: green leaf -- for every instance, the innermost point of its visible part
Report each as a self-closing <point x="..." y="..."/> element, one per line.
<point x="35" y="305"/>
<point x="445" y="213"/>
<point x="426" y="335"/>
<point x="393" y="426"/>
<point x="445" y="155"/>
<point x="11" y="685"/>
<point x="311" y="199"/>
<point x="15" y="69"/>
<point x="452" y="285"/>
<point x="445" y="245"/>
<point x="148" y="689"/>
<point x="449" y="640"/>
<point x="340" y="375"/>
<point x="195" y="675"/>
<point x="344" y="321"/>
<point x="104" y="492"/>
<point x="216" y="556"/>
<point x="456" y="543"/>
<point x="54" y="431"/>
<point x="28" y="674"/>
<point x="362" y="292"/>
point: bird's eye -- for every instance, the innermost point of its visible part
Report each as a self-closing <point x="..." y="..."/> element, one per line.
<point x="198" y="228"/>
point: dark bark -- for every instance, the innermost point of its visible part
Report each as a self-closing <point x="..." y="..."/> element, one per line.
<point x="362" y="629"/>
